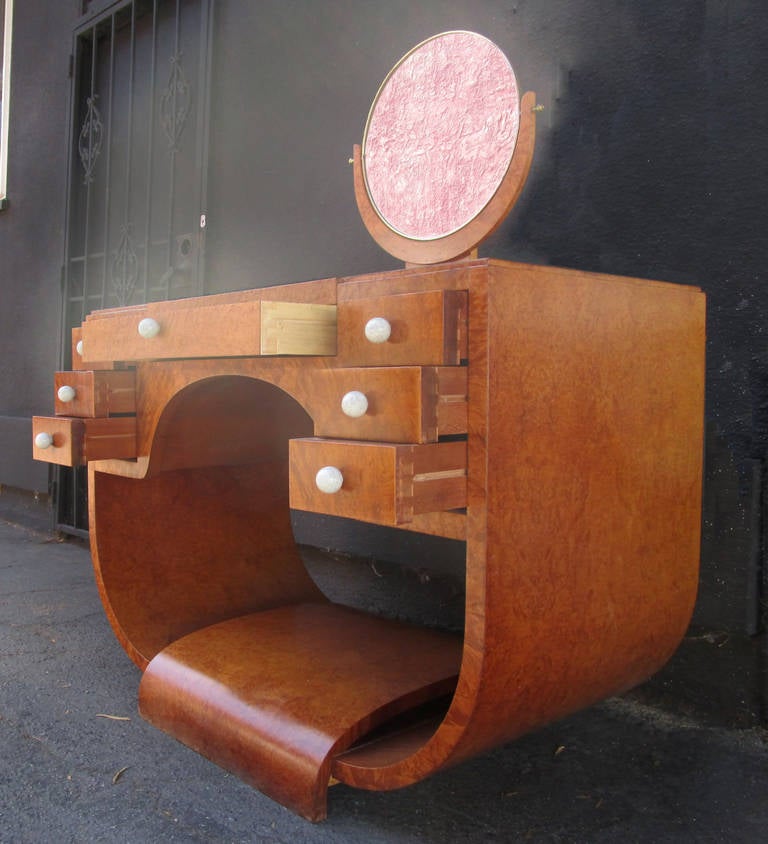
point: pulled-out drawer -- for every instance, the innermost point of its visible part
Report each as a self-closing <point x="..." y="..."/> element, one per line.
<point x="407" y="404"/>
<point x="408" y="328"/>
<point x="90" y="394"/>
<point x="73" y="442"/>
<point x="384" y="483"/>
<point x="194" y="329"/>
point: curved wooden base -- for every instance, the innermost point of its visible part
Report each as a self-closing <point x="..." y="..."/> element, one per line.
<point x="274" y="695"/>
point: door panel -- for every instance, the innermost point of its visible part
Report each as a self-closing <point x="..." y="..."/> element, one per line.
<point x="137" y="171"/>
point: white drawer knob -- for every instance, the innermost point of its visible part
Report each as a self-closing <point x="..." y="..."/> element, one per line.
<point x="354" y="404"/>
<point x="66" y="393"/>
<point x="149" y="328"/>
<point x="43" y="440"/>
<point x="79" y="347"/>
<point x="377" y="330"/>
<point x="329" y="479"/>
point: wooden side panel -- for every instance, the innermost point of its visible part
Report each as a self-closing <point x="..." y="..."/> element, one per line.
<point x="451" y="400"/>
<point x="594" y="431"/>
<point x="431" y="478"/>
<point x="186" y="549"/>
<point x="583" y="510"/>
<point x="455" y="326"/>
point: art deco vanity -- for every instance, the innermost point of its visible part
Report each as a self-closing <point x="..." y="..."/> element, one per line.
<point x="551" y="418"/>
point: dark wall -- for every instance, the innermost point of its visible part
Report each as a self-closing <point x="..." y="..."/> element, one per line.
<point x="650" y="162"/>
<point x="31" y="231"/>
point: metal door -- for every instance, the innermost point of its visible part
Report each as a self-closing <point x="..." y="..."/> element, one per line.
<point x="135" y="219"/>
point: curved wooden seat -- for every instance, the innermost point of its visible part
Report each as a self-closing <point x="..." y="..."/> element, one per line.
<point x="272" y="696"/>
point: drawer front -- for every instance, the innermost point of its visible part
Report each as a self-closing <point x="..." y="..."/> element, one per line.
<point x="384" y="483"/>
<point x="176" y="330"/>
<point x="394" y="404"/>
<point x="77" y="354"/>
<point x="73" y="442"/>
<point x="213" y="331"/>
<point x="90" y="394"/>
<point x="427" y="328"/>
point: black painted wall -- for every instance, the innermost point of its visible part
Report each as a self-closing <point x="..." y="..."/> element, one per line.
<point x="31" y="231"/>
<point x="651" y="161"/>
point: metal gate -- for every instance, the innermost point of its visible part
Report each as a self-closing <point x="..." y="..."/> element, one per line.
<point x="135" y="218"/>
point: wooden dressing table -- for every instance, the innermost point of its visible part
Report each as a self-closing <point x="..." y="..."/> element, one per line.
<point x="551" y="418"/>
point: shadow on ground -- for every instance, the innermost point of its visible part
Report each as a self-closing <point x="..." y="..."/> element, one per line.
<point x="620" y="771"/>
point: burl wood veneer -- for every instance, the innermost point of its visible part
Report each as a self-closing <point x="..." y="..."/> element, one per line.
<point x="556" y="420"/>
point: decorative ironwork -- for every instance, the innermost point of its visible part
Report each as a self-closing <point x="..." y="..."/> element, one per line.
<point x="175" y="102"/>
<point x="122" y="52"/>
<point x="124" y="271"/>
<point x="90" y="140"/>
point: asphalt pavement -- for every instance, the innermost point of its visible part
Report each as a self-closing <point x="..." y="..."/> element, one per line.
<point x="78" y="764"/>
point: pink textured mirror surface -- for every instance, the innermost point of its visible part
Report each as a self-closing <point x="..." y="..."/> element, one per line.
<point x="440" y="135"/>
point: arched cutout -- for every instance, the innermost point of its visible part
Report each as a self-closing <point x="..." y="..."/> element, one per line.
<point x="207" y="535"/>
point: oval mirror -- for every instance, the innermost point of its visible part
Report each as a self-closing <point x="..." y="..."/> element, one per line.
<point x="440" y="135"/>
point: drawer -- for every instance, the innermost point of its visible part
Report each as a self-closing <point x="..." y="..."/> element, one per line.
<point x="384" y="483"/>
<point x="406" y="404"/>
<point x="427" y="328"/>
<point x="90" y="394"/>
<point x="77" y="354"/>
<point x="73" y="442"/>
<point x="165" y="330"/>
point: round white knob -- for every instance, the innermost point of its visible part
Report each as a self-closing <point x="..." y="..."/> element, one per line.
<point x="354" y="404"/>
<point x="79" y="347"/>
<point x="66" y="393"/>
<point x="43" y="440"/>
<point x="329" y="479"/>
<point x="377" y="330"/>
<point x="149" y="328"/>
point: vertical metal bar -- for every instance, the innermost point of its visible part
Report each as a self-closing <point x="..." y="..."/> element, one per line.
<point x="76" y="515"/>
<point x="203" y="123"/>
<point x="86" y="240"/>
<point x="150" y="143"/>
<point x="60" y="478"/>
<point x="129" y="146"/>
<point x="108" y="161"/>
<point x="172" y="178"/>
<point x="71" y="169"/>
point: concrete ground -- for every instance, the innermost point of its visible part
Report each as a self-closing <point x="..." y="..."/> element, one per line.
<point x="78" y="764"/>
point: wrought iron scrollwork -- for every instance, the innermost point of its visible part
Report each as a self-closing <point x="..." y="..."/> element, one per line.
<point x="90" y="139"/>
<point x="175" y="103"/>
<point x="124" y="270"/>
